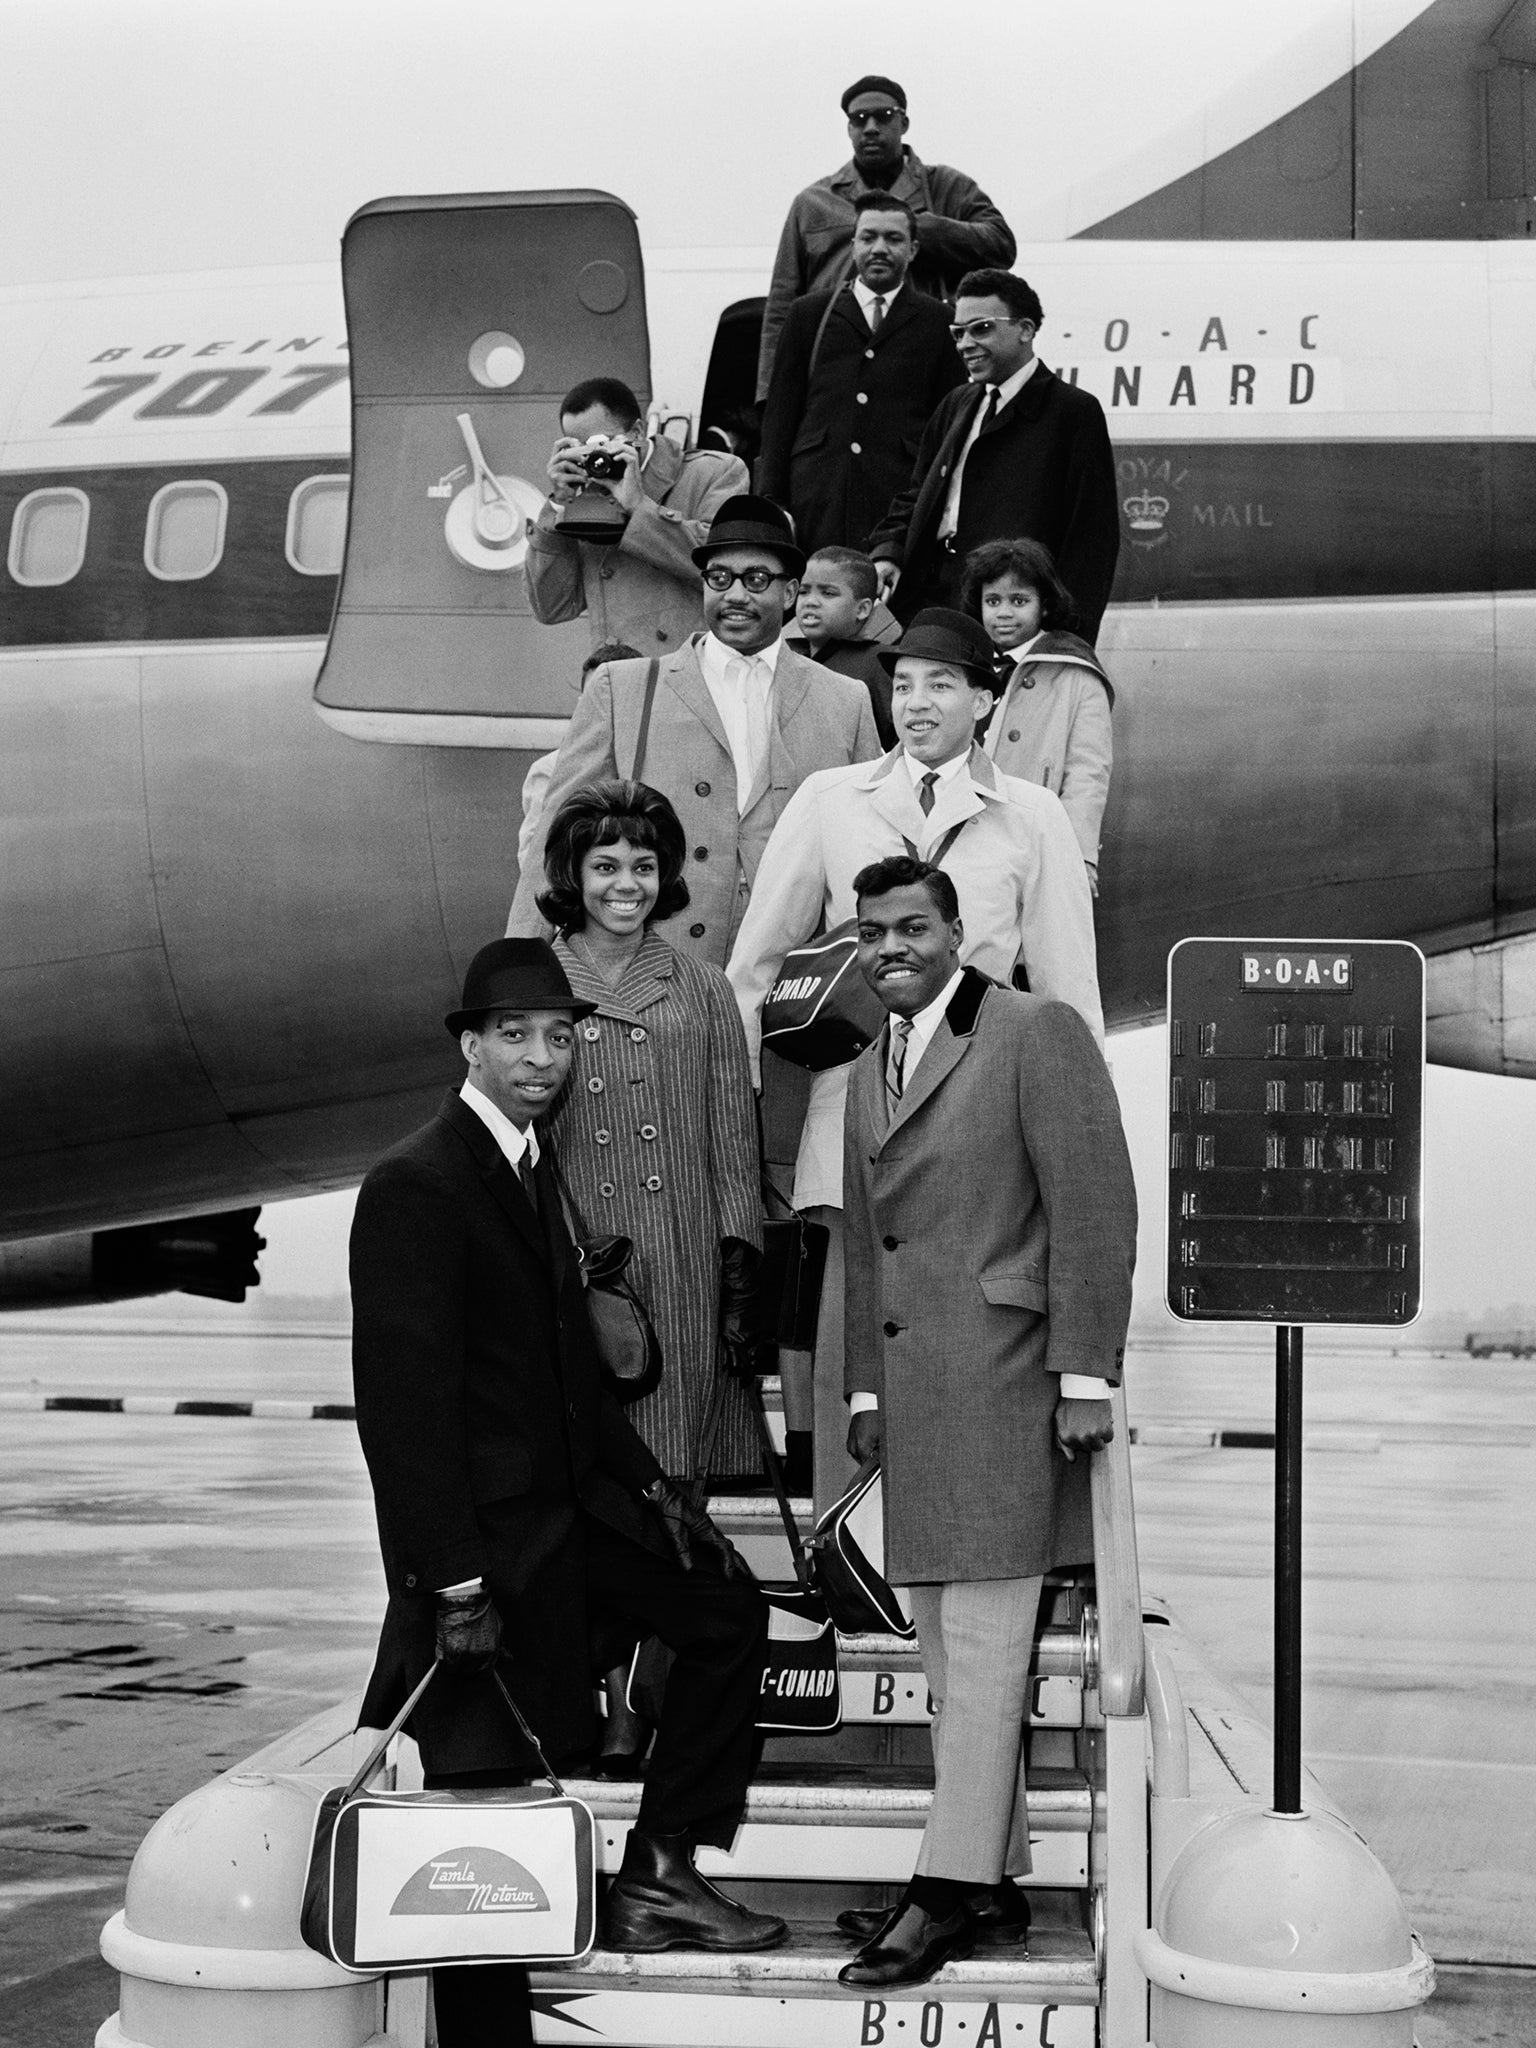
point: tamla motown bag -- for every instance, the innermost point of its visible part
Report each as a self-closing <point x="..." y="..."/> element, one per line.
<point x="802" y="1691"/>
<point x="820" y="1011"/>
<point x="406" y="1880"/>
<point x="858" y="1597"/>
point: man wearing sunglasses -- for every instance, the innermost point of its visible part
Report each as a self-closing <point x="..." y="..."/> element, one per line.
<point x="958" y="227"/>
<point x="727" y="727"/>
<point x="1014" y="454"/>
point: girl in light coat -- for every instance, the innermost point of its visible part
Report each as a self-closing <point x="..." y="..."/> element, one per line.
<point x="1051" y="724"/>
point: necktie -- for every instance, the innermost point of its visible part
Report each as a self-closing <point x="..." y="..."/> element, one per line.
<point x="901" y="1032"/>
<point x="746" y="677"/>
<point x="925" y="794"/>
<point x="988" y="409"/>
<point x="877" y="316"/>
<point x="530" y="1185"/>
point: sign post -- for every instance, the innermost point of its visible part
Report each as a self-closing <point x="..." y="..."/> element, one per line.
<point x="1295" y="1112"/>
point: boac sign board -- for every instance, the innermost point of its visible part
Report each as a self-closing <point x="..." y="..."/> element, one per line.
<point x="1295" y="1108"/>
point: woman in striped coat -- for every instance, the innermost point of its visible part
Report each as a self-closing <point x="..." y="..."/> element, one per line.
<point x="655" y="1135"/>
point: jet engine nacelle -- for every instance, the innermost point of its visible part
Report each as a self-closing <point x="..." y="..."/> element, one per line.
<point x="214" y="1256"/>
<point x="1481" y="1007"/>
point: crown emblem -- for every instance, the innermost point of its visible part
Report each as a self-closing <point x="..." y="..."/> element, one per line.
<point x="1146" y="512"/>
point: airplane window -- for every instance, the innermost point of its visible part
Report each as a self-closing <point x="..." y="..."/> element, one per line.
<point x="317" y="526"/>
<point x="48" y="532"/>
<point x="184" y="533"/>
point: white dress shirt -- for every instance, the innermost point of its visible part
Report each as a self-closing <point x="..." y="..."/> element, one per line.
<point x="945" y="770"/>
<point x="742" y="688"/>
<point x="1075" y="1386"/>
<point x="513" y="1142"/>
<point x="867" y="298"/>
<point x="1009" y="389"/>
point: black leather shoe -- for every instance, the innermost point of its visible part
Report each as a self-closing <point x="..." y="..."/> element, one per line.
<point x="1000" y="1909"/>
<point x="911" y="1947"/>
<point x="658" y="1900"/>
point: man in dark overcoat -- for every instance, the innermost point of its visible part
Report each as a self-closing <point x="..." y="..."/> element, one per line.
<point x="982" y="1336"/>
<point x="1016" y="454"/>
<point x="523" y="1523"/>
<point x="858" y="374"/>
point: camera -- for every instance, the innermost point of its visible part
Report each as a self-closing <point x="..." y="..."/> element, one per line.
<point x="600" y="459"/>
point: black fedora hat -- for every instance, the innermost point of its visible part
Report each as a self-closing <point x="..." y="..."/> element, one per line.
<point x="514" y="974"/>
<point x="753" y="522"/>
<point x="942" y="635"/>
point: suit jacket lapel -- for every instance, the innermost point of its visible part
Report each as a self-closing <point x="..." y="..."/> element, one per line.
<point x="685" y="679"/>
<point x="946" y="1048"/>
<point x="501" y="1183"/>
<point x="897" y="314"/>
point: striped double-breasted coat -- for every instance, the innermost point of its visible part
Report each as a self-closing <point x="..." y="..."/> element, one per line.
<point x="656" y="1139"/>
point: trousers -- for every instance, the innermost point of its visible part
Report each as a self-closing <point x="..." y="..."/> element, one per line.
<point x="705" y="1751"/>
<point x="976" y="1638"/>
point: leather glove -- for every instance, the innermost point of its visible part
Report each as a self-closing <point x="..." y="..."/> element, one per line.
<point x="740" y="1263"/>
<point x="468" y="1631"/>
<point x="693" y="1536"/>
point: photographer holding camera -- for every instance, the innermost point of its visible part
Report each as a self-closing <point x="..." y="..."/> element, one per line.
<point x="641" y="585"/>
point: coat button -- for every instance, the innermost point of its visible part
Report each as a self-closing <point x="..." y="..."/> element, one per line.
<point x="701" y="789"/>
<point x="607" y="1188"/>
<point x="869" y="355"/>
<point x="890" y="1243"/>
<point x="695" y="931"/>
<point x="854" y="448"/>
<point x="1029" y="682"/>
<point x="648" y="1132"/>
<point x="861" y="398"/>
<point x="1014" y="734"/>
<point x="595" y="1085"/>
<point x="661" y="635"/>
<point x="891" y="1329"/>
<point x="591" y="1032"/>
<point x="410" y="1578"/>
<point x="603" y="1137"/>
<point x="637" y="1033"/>
<point x="701" y="853"/>
<point x="653" y="1183"/>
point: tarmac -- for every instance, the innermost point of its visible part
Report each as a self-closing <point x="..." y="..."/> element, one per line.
<point x="179" y="1587"/>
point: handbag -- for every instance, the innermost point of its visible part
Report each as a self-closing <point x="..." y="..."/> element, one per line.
<point x="820" y="1011"/>
<point x="858" y="1597"/>
<point x="408" y="1880"/>
<point x="628" y="1348"/>
<point x="789" y="1280"/>
<point x="801" y="1691"/>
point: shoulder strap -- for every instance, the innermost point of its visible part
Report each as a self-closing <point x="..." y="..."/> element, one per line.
<point x="652" y="671"/>
<point x="832" y="299"/>
<point x="943" y="846"/>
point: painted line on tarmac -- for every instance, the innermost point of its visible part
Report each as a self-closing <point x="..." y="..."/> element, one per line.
<point x="167" y="1404"/>
<point x="1201" y="1436"/>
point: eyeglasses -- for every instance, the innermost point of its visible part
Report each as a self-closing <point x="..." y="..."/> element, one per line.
<point x="877" y="116"/>
<point x="978" y="330"/>
<point x="755" y="580"/>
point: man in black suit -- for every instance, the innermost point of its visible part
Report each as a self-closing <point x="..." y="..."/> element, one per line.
<point x="520" y="1516"/>
<point x="1018" y="455"/>
<point x="858" y="373"/>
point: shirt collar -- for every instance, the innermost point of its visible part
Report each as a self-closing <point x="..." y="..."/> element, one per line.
<point x="867" y="298"/>
<point x="946" y="771"/>
<point x="1011" y="386"/>
<point x="1017" y="654"/>
<point x="714" y="656"/>
<point x="512" y="1142"/>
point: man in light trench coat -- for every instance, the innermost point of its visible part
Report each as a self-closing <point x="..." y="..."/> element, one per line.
<point x="991" y="1234"/>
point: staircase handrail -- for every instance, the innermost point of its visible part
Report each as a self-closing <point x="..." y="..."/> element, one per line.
<point x="1117" y="1574"/>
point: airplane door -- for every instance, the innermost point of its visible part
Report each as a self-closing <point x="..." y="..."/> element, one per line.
<point x="469" y="318"/>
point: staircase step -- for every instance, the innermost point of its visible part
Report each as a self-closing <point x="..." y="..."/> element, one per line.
<point x="789" y="1997"/>
<point x="854" y="1824"/>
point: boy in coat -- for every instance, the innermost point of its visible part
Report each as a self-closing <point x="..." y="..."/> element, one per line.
<point x="520" y="1516"/>
<point x="981" y="1337"/>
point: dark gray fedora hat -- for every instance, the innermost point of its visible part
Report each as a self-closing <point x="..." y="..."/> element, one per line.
<point x="939" y="634"/>
<point x="753" y="522"/>
<point x="514" y="974"/>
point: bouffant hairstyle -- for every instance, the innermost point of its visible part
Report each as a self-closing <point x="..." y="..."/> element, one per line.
<point x="601" y="815"/>
<point x="1030" y="563"/>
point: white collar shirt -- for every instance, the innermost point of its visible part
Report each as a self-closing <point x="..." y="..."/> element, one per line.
<point x="1007" y="391"/>
<point x="512" y="1142"/>
<point x="947" y="771"/>
<point x="741" y="686"/>
<point x="866" y="298"/>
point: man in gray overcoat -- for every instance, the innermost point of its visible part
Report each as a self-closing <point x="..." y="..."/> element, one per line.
<point x="991" y="1235"/>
